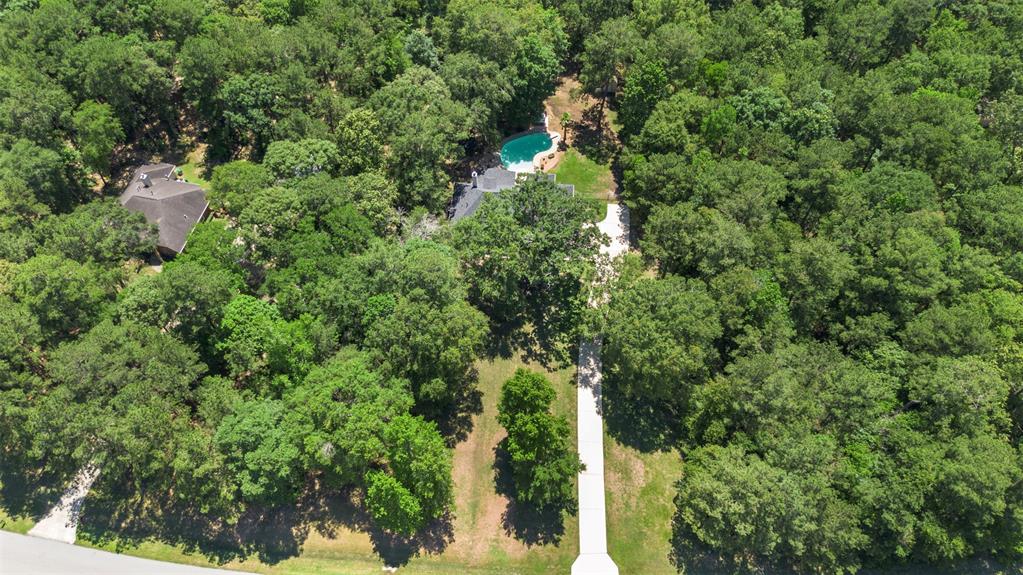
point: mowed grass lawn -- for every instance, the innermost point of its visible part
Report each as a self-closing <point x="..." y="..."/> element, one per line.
<point x="483" y="541"/>
<point x="191" y="172"/>
<point x="640" y="490"/>
<point x="591" y="180"/>
<point x="193" y="166"/>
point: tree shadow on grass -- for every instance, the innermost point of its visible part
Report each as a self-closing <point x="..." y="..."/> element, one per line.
<point x="506" y="338"/>
<point x="455" y="421"/>
<point x="545" y="346"/>
<point x="28" y="492"/>
<point x="641" y="424"/>
<point x="522" y="520"/>
<point x="594" y="137"/>
<point x="398" y="550"/>
<point x="270" y="533"/>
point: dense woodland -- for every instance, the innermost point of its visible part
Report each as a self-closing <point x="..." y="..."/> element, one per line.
<point x="830" y="192"/>
<point x="824" y="316"/>
<point x="320" y="330"/>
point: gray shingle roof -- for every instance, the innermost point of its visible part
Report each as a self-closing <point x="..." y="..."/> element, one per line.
<point x="174" y="206"/>
<point x="469" y="195"/>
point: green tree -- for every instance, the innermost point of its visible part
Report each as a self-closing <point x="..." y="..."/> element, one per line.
<point x="32" y="105"/>
<point x="358" y="139"/>
<point x="261" y="451"/>
<point x="688" y="240"/>
<point x="528" y="257"/>
<point x="420" y="461"/>
<point x="101" y="231"/>
<point x="537" y="68"/>
<point x="251" y="104"/>
<point x="118" y="71"/>
<point x="434" y="347"/>
<point x="97" y="133"/>
<point x="660" y="338"/>
<point x="234" y="183"/>
<point x="65" y="296"/>
<point x="19" y="212"/>
<point x="813" y="274"/>
<point x="261" y="349"/>
<point x="376" y="198"/>
<point x="299" y="159"/>
<point x="483" y="86"/>
<point x="421" y="50"/>
<point x="423" y="125"/>
<point x="344" y="407"/>
<point x="392" y="505"/>
<point x="116" y="398"/>
<point x="718" y="125"/>
<point x="645" y="85"/>
<point x="186" y="299"/>
<point x="46" y="172"/>
<point x="543" y="464"/>
<point x="607" y="55"/>
<point x="745" y="511"/>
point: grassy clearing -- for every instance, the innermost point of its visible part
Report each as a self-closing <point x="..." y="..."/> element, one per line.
<point x="591" y="180"/>
<point x="484" y="539"/>
<point x="640" y="505"/>
<point x="193" y="169"/>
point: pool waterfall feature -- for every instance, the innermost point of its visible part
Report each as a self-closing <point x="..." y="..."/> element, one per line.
<point x="527" y="152"/>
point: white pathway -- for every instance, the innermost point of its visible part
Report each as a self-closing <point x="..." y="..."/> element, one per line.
<point x="61" y="523"/>
<point x="593" y="557"/>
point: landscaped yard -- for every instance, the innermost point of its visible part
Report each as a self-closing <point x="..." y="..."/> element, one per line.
<point x="191" y="172"/>
<point x="591" y="180"/>
<point x="484" y="535"/>
<point x="590" y="174"/>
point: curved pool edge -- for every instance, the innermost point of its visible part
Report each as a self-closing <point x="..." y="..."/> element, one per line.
<point x="538" y="158"/>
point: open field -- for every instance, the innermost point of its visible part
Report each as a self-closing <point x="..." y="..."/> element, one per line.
<point x="489" y="535"/>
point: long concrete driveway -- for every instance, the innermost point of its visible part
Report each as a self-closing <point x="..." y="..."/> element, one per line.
<point x="593" y="557"/>
<point x="23" y="555"/>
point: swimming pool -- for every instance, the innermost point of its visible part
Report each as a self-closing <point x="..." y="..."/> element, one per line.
<point x="517" y="154"/>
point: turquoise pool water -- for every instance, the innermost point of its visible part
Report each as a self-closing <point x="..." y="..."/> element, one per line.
<point x="517" y="155"/>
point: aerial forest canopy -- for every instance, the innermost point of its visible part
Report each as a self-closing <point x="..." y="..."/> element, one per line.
<point x="320" y="330"/>
<point x="830" y="195"/>
<point x="824" y="316"/>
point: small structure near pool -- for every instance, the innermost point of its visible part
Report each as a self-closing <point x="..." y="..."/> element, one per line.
<point x="469" y="195"/>
<point x="175" y="206"/>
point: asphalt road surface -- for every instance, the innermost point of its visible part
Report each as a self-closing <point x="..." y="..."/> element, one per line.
<point x="21" y="554"/>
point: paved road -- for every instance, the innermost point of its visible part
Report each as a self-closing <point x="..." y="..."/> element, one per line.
<point x="21" y="554"/>
<point x="593" y="557"/>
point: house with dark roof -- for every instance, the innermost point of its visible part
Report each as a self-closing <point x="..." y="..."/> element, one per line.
<point x="469" y="195"/>
<point x="173" y="205"/>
